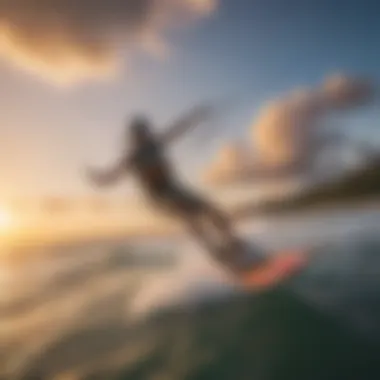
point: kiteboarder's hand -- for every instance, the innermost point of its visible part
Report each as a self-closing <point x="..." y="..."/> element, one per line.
<point x="96" y="177"/>
<point x="109" y="176"/>
<point x="191" y="120"/>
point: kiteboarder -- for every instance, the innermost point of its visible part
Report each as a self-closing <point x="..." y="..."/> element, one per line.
<point x="147" y="160"/>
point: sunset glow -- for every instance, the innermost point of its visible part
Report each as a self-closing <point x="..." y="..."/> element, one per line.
<point x="6" y="220"/>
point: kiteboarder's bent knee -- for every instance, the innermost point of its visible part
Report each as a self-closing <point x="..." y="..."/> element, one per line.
<point x="198" y="232"/>
<point x="219" y="219"/>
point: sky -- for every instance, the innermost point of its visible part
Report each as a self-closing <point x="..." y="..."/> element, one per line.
<point x="72" y="75"/>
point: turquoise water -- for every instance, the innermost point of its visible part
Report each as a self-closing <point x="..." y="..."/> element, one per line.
<point x="85" y="313"/>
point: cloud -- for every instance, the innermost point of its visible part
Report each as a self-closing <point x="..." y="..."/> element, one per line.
<point x="342" y="91"/>
<point x="286" y="135"/>
<point x="71" y="40"/>
<point x="231" y="160"/>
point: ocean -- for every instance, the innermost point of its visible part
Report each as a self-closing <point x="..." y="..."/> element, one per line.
<point x="103" y="311"/>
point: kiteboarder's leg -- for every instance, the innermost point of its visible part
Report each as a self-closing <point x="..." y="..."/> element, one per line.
<point x="224" y="254"/>
<point x="219" y="220"/>
<point x="200" y="212"/>
<point x="198" y="232"/>
<point x="202" y="218"/>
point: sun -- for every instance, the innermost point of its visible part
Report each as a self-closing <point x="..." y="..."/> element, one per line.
<point x="6" y="220"/>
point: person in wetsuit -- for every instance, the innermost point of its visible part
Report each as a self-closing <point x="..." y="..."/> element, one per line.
<point x="148" y="163"/>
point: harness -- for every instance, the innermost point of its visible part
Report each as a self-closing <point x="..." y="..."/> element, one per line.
<point x="151" y="167"/>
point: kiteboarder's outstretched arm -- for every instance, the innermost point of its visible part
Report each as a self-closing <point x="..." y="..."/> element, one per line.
<point x="107" y="177"/>
<point x="176" y="130"/>
<point x="190" y="120"/>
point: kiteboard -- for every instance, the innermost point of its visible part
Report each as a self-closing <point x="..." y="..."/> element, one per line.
<point x="274" y="270"/>
<point x="253" y="269"/>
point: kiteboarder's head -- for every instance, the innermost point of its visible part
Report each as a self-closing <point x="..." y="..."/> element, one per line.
<point x="140" y="130"/>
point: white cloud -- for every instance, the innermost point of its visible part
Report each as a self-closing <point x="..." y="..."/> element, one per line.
<point x="286" y="133"/>
<point x="71" y="40"/>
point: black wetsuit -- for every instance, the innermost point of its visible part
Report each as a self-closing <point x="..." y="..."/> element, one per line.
<point x="156" y="175"/>
<point x="207" y="223"/>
